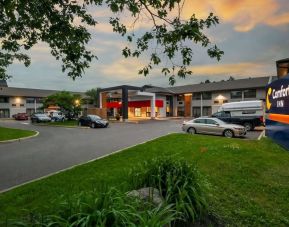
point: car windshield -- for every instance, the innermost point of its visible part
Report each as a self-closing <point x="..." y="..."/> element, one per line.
<point x="220" y="121"/>
<point x="94" y="117"/>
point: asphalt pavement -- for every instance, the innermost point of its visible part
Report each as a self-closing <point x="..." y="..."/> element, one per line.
<point x="58" y="148"/>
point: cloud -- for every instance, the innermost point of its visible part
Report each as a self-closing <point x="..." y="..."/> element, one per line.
<point x="235" y="69"/>
<point x="244" y="15"/>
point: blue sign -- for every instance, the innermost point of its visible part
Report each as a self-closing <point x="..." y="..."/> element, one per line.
<point x="277" y="110"/>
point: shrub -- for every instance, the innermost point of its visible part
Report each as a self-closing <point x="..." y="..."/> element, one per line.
<point x="112" y="208"/>
<point x="179" y="183"/>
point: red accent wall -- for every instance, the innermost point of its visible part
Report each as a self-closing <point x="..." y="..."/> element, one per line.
<point x="136" y="104"/>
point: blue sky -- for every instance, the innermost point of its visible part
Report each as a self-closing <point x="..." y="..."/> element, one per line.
<point x="253" y="35"/>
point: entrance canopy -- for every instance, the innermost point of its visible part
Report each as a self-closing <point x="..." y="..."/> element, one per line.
<point x="135" y="104"/>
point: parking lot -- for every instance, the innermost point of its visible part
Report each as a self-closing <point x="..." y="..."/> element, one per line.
<point x="58" y="148"/>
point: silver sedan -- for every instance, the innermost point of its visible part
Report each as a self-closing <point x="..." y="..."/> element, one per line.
<point x="215" y="126"/>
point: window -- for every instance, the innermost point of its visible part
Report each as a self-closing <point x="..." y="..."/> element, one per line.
<point x="211" y="122"/>
<point x="22" y="105"/>
<point x="181" y="111"/>
<point x="248" y="112"/>
<point x="236" y="94"/>
<point x="196" y="111"/>
<point x="4" y="113"/>
<point x="4" y="99"/>
<point x="207" y="95"/>
<point x="180" y="98"/>
<point x="196" y="96"/>
<point x="251" y="93"/>
<point x="30" y="100"/>
<point x="222" y="114"/>
<point x="207" y="111"/>
<point x="137" y="112"/>
<point x="200" y="121"/>
<point x="13" y="105"/>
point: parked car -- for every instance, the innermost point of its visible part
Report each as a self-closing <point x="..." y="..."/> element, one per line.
<point x="56" y="116"/>
<point x="38" y="118"/>
<point x="215" y="126"/>
<point x="92" y="121"/>
<point x="247" y="113"/>
<point x="20" y="116"/>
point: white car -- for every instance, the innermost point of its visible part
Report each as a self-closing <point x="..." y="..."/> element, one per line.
<point x="215" y="126"/>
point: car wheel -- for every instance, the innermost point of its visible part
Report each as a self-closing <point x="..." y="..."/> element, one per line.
<point x="191" y="131"/>
<point x="93" y="125"/>
<point x="248" y="126"/>
<point x="229" y="133"/>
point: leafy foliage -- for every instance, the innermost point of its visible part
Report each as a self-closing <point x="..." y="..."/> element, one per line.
<point x="179" y="183"/>
<point x="62" y="24"/>
<point x="111" y="208"/>
<point x="69" y="103"/>
<point x="93" y="95"/>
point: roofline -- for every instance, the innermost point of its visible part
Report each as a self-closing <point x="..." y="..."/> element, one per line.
<point x="129" y="87"/>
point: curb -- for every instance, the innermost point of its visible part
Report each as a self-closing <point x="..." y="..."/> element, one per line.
<point x="261" y="135"/>
<point x="20" y="139"/>
<point x="77" y="165"/>
<point x="62" y="126"/>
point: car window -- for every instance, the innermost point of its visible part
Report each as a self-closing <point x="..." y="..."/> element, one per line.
<point x="211" y="122"/>
<point x="200" y="121"/>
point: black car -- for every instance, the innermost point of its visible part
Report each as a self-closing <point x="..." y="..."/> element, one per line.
<point x="37" y="118"/>
<point x="92" y="121"/>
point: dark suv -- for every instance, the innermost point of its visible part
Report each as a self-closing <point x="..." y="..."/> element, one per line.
<point x="249" y="122"/>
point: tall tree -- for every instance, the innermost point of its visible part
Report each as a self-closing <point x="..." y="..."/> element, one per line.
<point x="93" y="94"/>
<point x="168" y="43"/>
<point x="69" y="103"/>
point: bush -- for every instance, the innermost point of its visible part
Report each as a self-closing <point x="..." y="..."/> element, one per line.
<point x="179" y="183"/>
<point x="112" y="208"/>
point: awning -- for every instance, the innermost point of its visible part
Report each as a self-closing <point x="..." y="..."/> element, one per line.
<point x="136" y="104"/>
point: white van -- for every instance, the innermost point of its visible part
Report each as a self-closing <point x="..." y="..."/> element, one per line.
<point x="247" y="113"/>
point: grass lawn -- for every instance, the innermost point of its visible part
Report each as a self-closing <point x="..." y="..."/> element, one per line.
<point x="248" y="180"/>
<point x="11" y="133"/>
<point x="65" y="123"/>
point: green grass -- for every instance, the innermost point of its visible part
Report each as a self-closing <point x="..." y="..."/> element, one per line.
<point x="65" y="123"/>
<point x="11" y="133"/>
<point x="248" y="180"/>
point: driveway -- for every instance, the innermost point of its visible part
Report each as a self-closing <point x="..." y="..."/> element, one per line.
<point x="58" y="148"/>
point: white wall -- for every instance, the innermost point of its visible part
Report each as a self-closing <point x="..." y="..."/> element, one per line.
<point x="162" y="111"/>
<point x="18" y="101"/>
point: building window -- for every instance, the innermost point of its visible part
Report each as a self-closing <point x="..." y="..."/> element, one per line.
<point x="236" y="94"/>
<point x="196" y="111"/>
<point x="251" y="93"/>
<point x="196" y="96"/>
<point x="13" y="105"/>
<point x="180" y="98"/>
<point x="4" y="113"/>
<point x="137" y="112"/>
<point x="30" y="100"/>
<point x="207" y="95"/>
<point x="4" y="99"/>
<point x="181" y="111"/>
<point x="21" y="105"/>
<point x="207" y="111"/>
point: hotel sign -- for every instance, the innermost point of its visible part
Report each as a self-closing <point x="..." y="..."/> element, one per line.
<point x="277" y="111"/>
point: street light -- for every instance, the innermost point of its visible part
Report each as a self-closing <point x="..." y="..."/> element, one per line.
<point x="77" y="102"/>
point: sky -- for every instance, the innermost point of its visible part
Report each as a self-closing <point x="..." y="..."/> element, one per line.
<point x="253" y="35"/>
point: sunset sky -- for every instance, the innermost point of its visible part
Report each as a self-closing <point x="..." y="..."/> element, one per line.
<point x="253" y="35"/>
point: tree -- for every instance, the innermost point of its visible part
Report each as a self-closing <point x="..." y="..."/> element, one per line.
<point x="69" y="103"/>
<point x="231" y="78"/>
<point x="207" y="81"/>
<point x="168" y="44"/>
<point x="93" y="94"/>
